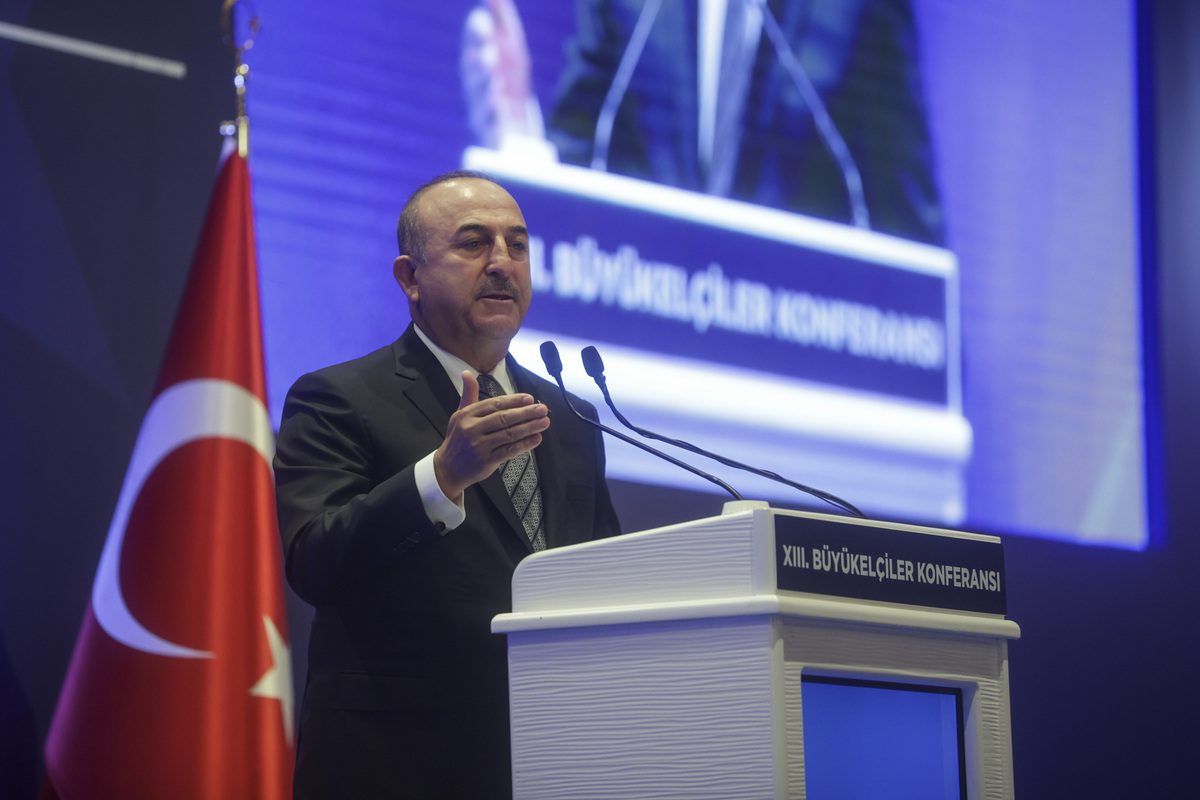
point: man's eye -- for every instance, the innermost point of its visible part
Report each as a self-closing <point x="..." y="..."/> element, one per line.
<point x="519" y="247"/>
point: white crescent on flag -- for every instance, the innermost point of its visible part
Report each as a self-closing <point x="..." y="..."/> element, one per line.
<point x="186" y="412"/>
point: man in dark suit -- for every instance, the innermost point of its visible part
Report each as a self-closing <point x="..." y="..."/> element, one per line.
<point x="403" y="514"/>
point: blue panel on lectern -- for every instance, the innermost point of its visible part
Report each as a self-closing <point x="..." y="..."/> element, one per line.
<point x="865" y="740"/>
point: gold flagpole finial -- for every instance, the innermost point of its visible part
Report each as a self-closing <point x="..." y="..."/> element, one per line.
<point x="240" y="30"/>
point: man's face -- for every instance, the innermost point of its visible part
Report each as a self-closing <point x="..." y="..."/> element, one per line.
<point x="472" y="290"/>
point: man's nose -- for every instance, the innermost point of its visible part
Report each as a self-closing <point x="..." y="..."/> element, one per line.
<point x="501" y="259"/>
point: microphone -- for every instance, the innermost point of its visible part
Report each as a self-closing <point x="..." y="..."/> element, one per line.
<point x="554" y="366"/>
<point x="821" y="118"/>
<point x="594" y="366"/>
<point x="607" y="116"/>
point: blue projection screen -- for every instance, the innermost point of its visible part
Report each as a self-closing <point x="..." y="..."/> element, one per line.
<point x="894" y="241"/>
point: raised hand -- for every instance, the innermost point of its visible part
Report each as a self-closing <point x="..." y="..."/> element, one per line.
<point x="483" y="434"/>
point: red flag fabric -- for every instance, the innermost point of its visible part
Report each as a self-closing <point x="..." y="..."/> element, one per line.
<point x="180" y="684"/>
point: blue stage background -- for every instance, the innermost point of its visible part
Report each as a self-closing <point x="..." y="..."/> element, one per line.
<point x="106" y="173"/>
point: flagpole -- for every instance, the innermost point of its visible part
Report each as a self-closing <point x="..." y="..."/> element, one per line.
<point x="241" y="70"/>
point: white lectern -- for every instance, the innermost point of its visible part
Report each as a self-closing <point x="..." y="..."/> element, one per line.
<point x="668" y="663"/>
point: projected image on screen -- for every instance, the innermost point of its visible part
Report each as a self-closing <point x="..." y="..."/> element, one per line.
<point x="893" y="242"/>
<point x="815" y="108"/>
<point x="867" y="739"/>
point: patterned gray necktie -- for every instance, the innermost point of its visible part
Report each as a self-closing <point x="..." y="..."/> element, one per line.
<point x="520" y="478"/>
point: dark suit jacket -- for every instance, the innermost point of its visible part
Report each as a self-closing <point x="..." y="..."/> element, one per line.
<point x="860" y="55"/>
<point x="407" y="692"/>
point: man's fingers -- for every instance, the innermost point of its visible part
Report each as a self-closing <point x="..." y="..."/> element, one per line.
<point x="502" y="419"/>
<point x="491" y="405"/>
<point x="511" y="450"/>
<point x="515" y="433"/>
<point x="470" y="392"/>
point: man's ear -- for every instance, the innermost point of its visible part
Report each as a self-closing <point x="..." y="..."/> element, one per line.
<point x="404" y="270"/>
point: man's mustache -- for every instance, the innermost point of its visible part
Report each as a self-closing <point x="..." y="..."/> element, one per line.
<point x="498" y="286"/>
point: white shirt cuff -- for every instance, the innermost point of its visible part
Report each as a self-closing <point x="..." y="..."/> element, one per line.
<point x="440" y="508"/>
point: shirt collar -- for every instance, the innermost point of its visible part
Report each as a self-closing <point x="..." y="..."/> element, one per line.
<point x="454" y="366"/>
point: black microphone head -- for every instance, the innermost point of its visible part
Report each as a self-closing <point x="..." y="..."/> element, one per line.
<point x="551" y="359"/>
<point x="592" y="362"/>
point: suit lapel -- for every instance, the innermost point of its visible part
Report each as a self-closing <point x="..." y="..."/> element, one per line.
<point x="425" y="383"/>
<point x="428" y="387"/>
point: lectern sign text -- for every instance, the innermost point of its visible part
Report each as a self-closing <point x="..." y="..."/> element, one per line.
<point x="884" y="564"/>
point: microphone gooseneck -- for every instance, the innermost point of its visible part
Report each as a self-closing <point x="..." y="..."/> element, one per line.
<point x="594" y="365"/>
<point x="553" y="362"/>
<point x="620" y="84"/>
<point x="826" y="127"/>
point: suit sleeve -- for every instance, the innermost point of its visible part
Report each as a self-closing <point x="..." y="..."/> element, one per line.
<point x="338" y="518"/>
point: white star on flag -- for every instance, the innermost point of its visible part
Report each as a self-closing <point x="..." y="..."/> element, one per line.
<point x="276" y="683"/>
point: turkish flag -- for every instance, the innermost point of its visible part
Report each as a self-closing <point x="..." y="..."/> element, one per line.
<point x="180" y="684"/>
